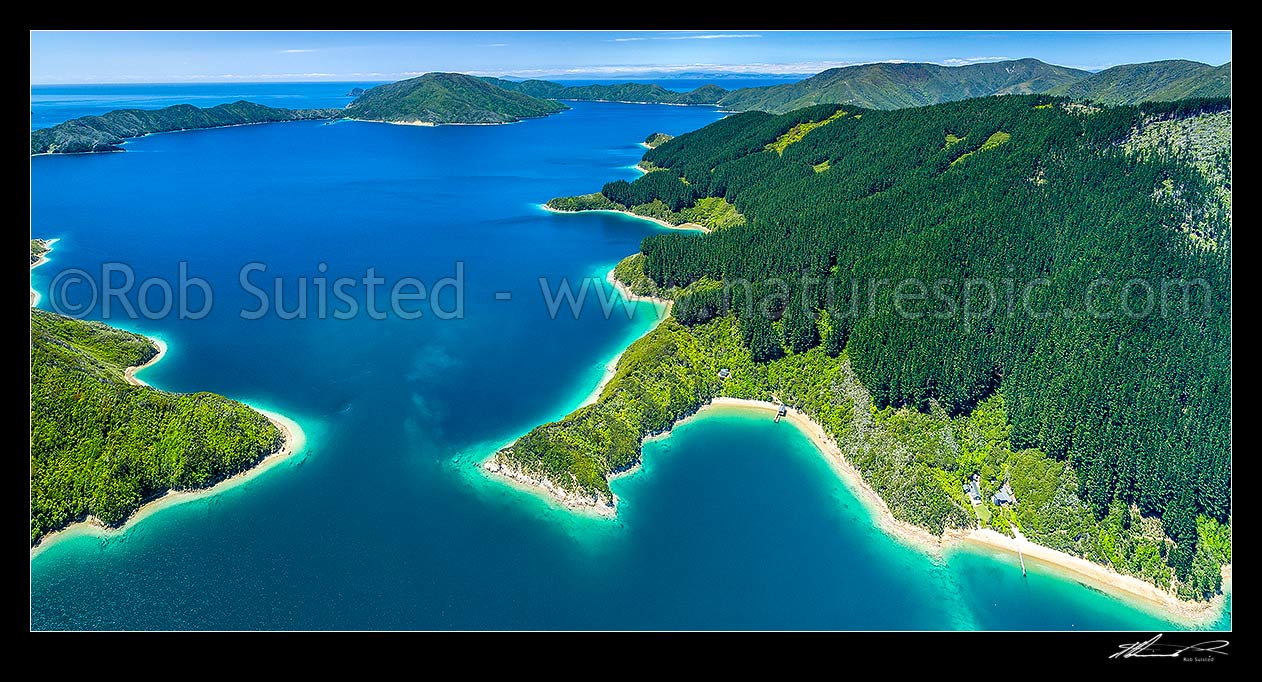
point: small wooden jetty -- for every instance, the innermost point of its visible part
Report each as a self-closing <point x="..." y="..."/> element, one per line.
<point x="781" y="412"/>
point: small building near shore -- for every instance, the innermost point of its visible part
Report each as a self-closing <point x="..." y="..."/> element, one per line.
<point x="725" y="373"/>
<point x="972" y="489"/>
<point x="1004" y="496"/>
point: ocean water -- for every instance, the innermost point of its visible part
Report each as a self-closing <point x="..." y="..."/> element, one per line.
<point x="384" y="522"/>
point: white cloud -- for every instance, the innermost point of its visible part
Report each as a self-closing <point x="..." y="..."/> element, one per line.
<point x="298" y="51"/>
<point x="965" y="61"/>
<point x="714" y="36"/>
<point x="708" y="36"/>
<point x="494" y="45"/>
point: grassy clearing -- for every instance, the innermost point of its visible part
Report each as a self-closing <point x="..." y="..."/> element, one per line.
<point x="799" y="131"/>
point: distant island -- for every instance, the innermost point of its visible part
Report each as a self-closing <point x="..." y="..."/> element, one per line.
<point x="104" y="443"/>
<point x="1003" y="429"/>
<point x="105" y="133"/>
<point x="355" y="92"/>
<point x="447" y="98"/>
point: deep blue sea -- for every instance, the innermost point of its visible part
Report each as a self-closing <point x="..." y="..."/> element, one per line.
<point x="383" y="522"/>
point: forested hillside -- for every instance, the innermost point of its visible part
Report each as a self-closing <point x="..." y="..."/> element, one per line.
<point x="1018" y="248"/>
<point x="1164" y="81"/>
<point x="443" y="98"/>
<point x="101" y="446"/>
<point x="104" y="133"/>
<point x="894" y="86"/>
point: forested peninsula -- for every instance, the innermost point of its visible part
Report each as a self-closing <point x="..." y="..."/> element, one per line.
<point x="1110" y="430"/>
<point x="106" y="132"/>
<point x="104" y="443"/>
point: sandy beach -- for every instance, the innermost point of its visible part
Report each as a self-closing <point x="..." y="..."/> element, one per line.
<point x="294" y="441"/>
<point x="906" y="533"/>
<point x="1089" y="573"/>
<point x="40" y="260"/>
<point x="1076" y="568"/>
<point x="659" y="221"/>
<point x="130" y="372"/>
<point x="1128" y="588"/>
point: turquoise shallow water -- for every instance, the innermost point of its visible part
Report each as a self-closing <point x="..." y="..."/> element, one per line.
<point x="733" y="522"/>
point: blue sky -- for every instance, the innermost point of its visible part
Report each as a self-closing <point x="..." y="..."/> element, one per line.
<point x="152" y="57"/>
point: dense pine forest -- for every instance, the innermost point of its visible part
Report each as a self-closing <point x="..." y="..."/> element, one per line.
<point x="1059" y="271"/>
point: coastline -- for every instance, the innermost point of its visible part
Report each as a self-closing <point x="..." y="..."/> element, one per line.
<point x="662" y="310"/>
<point x="1127" y="588"/>
<point x="293" y="440"/>
<point x="178" y="130"/>
<point x="906" y="533"/>
<point x="659" y="221"/>
<point x="130" y="372"/>
<point x="549" y="492"/>
<point x="544" y="488"/>
<point x="40" y="260"/>
<point x="625" y="292"/>
<point x="1069" y="566"/>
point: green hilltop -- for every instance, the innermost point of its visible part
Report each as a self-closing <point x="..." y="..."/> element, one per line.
<point x="443" y="98"/>
<point x="895" y="86"/>
<point x="101" y="447"/>
<point x="1164" y="81"/>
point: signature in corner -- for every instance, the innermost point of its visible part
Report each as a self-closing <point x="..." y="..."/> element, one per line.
<point x="1154" y="649"/>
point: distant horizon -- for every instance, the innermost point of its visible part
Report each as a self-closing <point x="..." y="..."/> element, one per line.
<point x="683" y="76"/>
<point x="158" y="57"/>
<point x="650" y="77"/>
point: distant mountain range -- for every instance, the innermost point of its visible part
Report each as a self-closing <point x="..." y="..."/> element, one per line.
<point x="447" y="98"/>
<point x="1154" y="81"/>
<point x="897" y="86"/>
